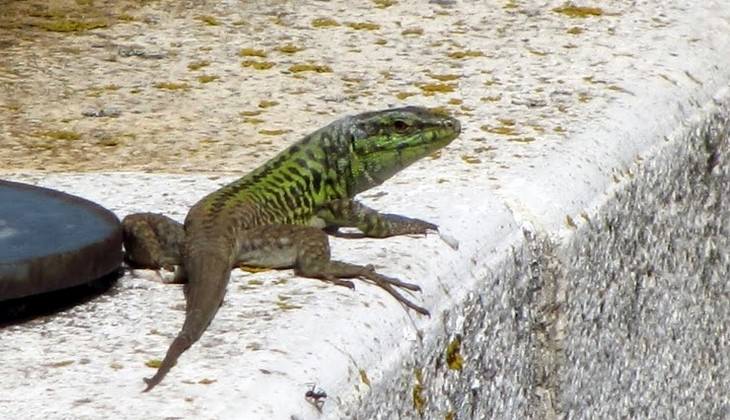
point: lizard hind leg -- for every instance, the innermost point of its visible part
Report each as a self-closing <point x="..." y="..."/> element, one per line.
<point x="338" y="269"/>
<point x="152" y="241"/>
<point x="307" y="250"/>
<point x="314" y="261"/>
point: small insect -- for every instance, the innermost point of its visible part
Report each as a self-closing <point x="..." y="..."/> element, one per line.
<point x="316" y="396"/>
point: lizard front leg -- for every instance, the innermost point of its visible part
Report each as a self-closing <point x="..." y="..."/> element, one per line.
<point x="152" y="241"/>
<point x="350" y="213"/>
<point x="307" y="250"/>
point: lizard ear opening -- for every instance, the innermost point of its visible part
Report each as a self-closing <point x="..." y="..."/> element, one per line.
<point x="359" y="131"/>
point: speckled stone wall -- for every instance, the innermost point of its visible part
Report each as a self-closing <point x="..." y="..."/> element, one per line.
<point x="646" y="303"/>
<point x="627" y="318"/>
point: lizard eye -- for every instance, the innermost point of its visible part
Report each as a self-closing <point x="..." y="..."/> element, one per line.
<point x="400" y="126"/>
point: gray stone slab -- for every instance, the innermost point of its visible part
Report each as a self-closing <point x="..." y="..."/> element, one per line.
<point x="50" y="240"/>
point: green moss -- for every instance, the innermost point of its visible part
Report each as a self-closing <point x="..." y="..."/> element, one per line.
<point x="570" y="222"/>
<point x="363" y="26"/>
<point x="575" y="30"/>
<point x="433" y="88"/>
<point x="286" y="306"/>
<point x="317" y="68"/>
<point x="453" y="354"/>
<point x="619" y="89"/>
<point x="352" y="80"/>
<point x="538" y="128"/>
<point x="100" y="90"/>
<point x="503" y="130"/>
<point x="419" y="400"/>
<point x="289" y="49"/>
<point x="412" y="31"/>
<point x="258" y="65"/>
<point x="537" y="52"/>
<point x="197" y="65"/>
<point x="153" y="363"/>
<point x="251" y="52"/>
<point x="209" y="20"/>
<point x="61" y="135"/>
<point x="444" y="77"/>
<point x="364" y="377"/>
<point x="470" y="159"/>
<point x="579" y="11"/>
<point x="267" y="104"/>
<point x="124" y="17"/>
<point x="525" y="139"/>
<point x="14" y="107"/>
<point x="273" y="132"/>
<point x="207" y="78"/>
<point x="383" y="4"/>
<point x="109" y="142"/>
<point x="62" y="363"/>
<point x="405" y="95"/>
<point x="465" y="54"/>
<point x="71" y="25"/>
<point x="172" y="86"/>
<point x="492" y="98"/>
<point x="324" y="23"/>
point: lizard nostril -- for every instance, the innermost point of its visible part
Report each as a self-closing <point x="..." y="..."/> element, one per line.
<point x="452" y="125"/>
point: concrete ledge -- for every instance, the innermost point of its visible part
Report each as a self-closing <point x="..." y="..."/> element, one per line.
<point x="590" y="279"/>
<point x="625" y="315"/>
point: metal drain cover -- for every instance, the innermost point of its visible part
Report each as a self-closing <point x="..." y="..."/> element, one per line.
<point x="51" y="240"/>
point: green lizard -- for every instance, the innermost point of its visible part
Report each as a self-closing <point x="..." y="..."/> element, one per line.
<point x="274" y="217"/>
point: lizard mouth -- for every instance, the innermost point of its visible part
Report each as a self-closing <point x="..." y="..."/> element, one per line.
<point x="453" y="125"/>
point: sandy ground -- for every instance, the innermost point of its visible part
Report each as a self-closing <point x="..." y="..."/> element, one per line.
<point x="170" y="86"/>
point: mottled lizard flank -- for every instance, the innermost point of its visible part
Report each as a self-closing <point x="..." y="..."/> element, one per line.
<point x="274" y="217"/>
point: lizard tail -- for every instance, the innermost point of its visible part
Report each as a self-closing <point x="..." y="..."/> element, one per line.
<point x="181" y="343"/>
<point x="205" y="289"/>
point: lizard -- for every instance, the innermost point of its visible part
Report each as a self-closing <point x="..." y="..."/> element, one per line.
<point x="279" y="215"/>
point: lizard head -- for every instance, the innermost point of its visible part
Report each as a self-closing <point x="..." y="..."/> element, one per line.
<point x="385" y="142"/>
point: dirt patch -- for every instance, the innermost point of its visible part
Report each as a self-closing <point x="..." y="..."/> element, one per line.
<point x="176" y="86"/>
<point x="220" y="86"/>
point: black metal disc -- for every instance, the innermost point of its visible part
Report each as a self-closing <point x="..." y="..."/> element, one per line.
<point x="51" y="240"/>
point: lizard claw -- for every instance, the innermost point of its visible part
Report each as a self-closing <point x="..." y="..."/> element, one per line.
<point x="386" y="283"/>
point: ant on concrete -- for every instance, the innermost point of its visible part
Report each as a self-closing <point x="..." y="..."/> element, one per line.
<point x="316" y="396"/>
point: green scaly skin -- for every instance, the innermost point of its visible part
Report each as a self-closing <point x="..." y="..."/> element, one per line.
<point x="273" y="217"/>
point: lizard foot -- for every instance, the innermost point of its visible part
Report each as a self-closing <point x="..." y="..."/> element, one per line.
<point x="386" y="283"/>
<point x="339" y="282"/>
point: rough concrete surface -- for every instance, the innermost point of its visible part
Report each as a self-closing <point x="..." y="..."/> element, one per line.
<point x="587" y="194"/>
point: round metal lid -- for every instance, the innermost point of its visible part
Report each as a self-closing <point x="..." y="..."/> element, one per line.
<point x="51" y="240"/>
